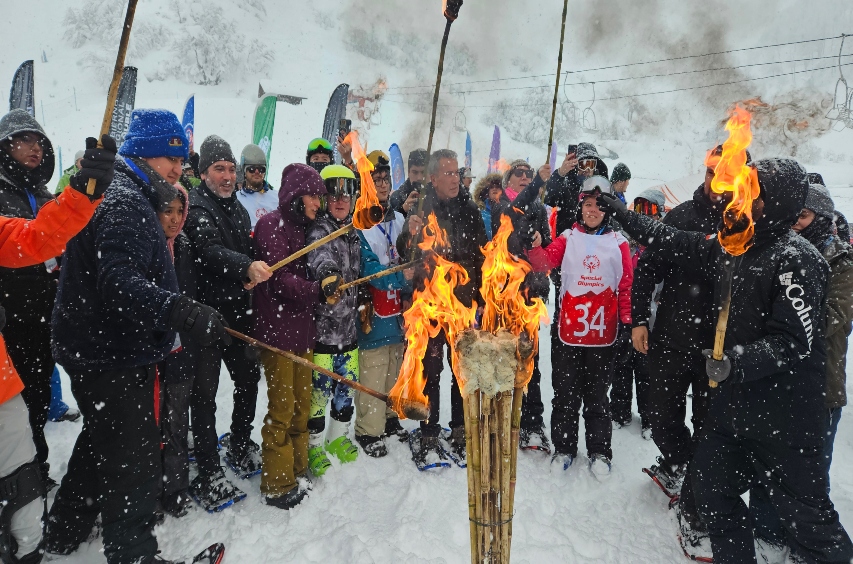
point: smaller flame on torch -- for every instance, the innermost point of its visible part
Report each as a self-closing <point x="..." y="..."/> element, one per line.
<point x="368" y="211"/>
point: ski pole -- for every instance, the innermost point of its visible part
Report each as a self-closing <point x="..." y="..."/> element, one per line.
<point x="411" y="409"/>
<point x="117" y="72"/>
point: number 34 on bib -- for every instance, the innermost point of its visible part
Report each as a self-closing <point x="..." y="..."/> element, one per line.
<point x="590" y="320"/>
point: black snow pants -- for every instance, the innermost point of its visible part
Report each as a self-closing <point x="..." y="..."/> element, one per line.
<point x="114" y="468"/>
<point x="177" y="373"/>
<point x="671" y="374"/>
<point x="531" y="404"/>
<point x="581" y="376"/>
<point x="245" y="373"/>
<point x="28" y="344"/>
<point x="433" y="365"/>
<point x="622" y="392"/>
<point x="727" y="465"/>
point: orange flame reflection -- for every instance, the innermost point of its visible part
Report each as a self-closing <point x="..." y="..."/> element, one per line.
<point x="506" y="306"/>
<point x="434" y="309"/>
<point x="733" y="177"/>
<point x="367" y="198"/>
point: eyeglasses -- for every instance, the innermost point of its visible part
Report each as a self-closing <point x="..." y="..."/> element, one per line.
<point x="382" y="180"/>
<point x="346" y="198"/>
<point x="256" y="169"/>
<point x="319" y="143"/>
<point x="587" y="164"/>
<point x="646" y="207"/>
<point x="519" y="172"/>
<point x="27" y="140"/>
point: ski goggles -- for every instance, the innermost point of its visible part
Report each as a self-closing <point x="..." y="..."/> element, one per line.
<point x="319" y="144"/>
<point x="587" y="164"/>
<point x="340" y="186"/>
<point x="256" y="169"/>
<point x="646" y="207"/>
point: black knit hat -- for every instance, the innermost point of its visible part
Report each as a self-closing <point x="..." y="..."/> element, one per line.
<point x="620" y="172"/>
<point x="418" y="157"/>
<point x="819" y="201"/>
<point x="214" y="149"/>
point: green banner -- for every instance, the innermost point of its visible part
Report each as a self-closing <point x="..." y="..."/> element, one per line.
<point x="263" y="123"/>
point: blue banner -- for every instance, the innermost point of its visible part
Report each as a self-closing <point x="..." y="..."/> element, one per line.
<point x="398" y="171"/>
<point x="495" y="153"/>
<point x="189" y="119"/>
<point x="468" y="160"/>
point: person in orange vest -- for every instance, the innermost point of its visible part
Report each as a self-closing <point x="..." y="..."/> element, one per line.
<point x="24" y="243"/>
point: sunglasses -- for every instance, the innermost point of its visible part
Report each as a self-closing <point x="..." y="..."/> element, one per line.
<point x="586" y="164"/>
<point x="646" y="208"/>
<point x="519" y="172"/>
<point x="256" y="169"/>
<point x="319" y="143"/>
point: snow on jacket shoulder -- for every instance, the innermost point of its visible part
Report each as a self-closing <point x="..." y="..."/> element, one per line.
<point x="117" y="285"/>
<point x="220" y="228"/>
<point x="336" y="323"/>
<point x="24" y="243"/>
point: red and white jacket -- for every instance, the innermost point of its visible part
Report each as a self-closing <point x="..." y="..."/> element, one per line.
<point x="595" y="292"/>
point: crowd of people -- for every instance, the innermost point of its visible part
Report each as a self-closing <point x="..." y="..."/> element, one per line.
<point x="173" y="259"/>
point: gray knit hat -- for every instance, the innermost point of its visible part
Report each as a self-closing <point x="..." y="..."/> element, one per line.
<point x="252" y="155"/>
<point x="819" y="201"/>
<point x="513" y="165"/>
<point x="586" y="151"/>
<point x="214" y="149"/>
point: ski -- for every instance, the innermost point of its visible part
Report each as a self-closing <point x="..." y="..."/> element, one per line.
<point x="415" y="436"/>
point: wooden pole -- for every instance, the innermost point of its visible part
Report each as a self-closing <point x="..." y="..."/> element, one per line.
<point x="308" y="248"/>
<point x="518" y="394"/>
<point x="506" y="472"/>
<point x="471" y="408"/>
<point x="723" y="317"/>
<point x="485" y="471"/>
<point x="380" y="274"/>
<point x="112" y="93"/>
<point x="557" y="84"/>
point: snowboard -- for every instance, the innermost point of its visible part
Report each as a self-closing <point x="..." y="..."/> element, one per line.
<point x="415" y="437"/>
<point x="444" y="441"/>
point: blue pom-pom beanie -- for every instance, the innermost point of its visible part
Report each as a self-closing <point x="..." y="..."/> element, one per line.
<point x="155" y="133"/>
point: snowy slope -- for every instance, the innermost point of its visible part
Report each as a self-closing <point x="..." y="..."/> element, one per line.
<point x="384" y="510"/>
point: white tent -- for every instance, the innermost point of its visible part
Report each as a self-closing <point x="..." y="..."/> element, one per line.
<point x="680" y="190"/>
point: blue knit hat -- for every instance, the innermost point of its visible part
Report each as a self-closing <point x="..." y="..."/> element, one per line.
<point x="155" y="133"/>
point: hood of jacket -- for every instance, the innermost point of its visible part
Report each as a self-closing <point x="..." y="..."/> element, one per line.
<point x="298" y="180"/>
<point x="19" y="121"/>
<point x="654" y="196"/>
<point x="784" y="185"/>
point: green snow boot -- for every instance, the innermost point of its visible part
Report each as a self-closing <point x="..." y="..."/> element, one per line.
<point x="343" y="448"/>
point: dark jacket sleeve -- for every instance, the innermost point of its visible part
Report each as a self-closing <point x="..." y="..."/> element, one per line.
<point x="123" y="257"/>
<point x="648" y="274"/>
<point x="689" y="250"/>
<point x="839" y="299"/>
<point x="789" y="337"/>
<point x="556" y="190"/>
<point x="480" y="239"/>
<point x="211" y="253"/>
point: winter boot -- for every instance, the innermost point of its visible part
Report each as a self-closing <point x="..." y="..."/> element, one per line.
<point x="70" y="414"/>
<point x="646" y="433"/>
<point x="534" y="439"/>
<point x="457" y="442"/>
<point x="318" y="462"/>
<point x="373" y="446"/>
<point x="393" y="428"/>
<point x="340" y="445"/>
<point x="668" y="477"/>
<point x="177" y="504"/>
<point x="243" y="458"/>
<point x="692" y="535"/>
<point x="214" y="492"/>
<point x="292" y="498"/>
<point x="768" y="552"/>
<point x="562" y="459"/>
<point x="427" y="452"/>
<point x="599" y="465"/>
<point x="621" y="422"/>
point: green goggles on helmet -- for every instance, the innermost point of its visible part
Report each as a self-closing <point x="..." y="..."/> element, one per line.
<point x="319" y="143"/>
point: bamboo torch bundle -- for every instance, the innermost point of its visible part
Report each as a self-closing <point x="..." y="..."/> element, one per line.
<point x="493" y="369"/>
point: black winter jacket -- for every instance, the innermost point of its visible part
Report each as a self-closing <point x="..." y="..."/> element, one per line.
<point x="685" y="318"/>
<point x="466" y="233"/>
<point x="185" y="266"/>
<point x="776" y="327"/>
<point x="562" y="192"/>
<point x="219" y="229"/>
<point x="117" y="285"/>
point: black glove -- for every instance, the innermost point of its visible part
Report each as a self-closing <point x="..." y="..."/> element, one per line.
<point x="612" y="204"/>
<point x="253" y="354"/>
<point x="2" y="318"/>
<point x="329" y="287"/>
<point x="623" y="346"/>
<point x="97" y="164"/>
<point x="718" y="370"/>
<point x="202" y="323"/>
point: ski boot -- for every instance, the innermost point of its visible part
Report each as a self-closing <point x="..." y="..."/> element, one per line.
<point x="668" y="477"/>
<point x="244" y="460"/>
<point x="373" y="446"/>
<point x="561" y="459"/>
<point x="393" y="428"/>
<point x="215" y="493"/>
<point x="340" y="445"/>
<point x="599" y="465"/>
<point x="318" y="462"/>
<point x="534" y="439"/>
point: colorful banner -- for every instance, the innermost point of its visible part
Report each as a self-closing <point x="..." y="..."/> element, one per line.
<point x="188" y="120"/>
<point x="468" y="160"/>
<point x="125" y="102"/>
<point x="495" y="153"/>
<point x="398" y="171"/>
<point x="335" y="112"/>
<point x="22" y="95"/>
<point x="263" y="124"/>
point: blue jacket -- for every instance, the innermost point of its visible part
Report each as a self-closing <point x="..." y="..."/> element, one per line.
<point x="117" y="285"/>
<point x="388" y="330"/>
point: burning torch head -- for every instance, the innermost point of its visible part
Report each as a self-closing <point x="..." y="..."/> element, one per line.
<point x="410" y="409"/>
<point x="451" y="9"/>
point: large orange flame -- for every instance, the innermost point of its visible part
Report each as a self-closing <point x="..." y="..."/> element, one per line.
<point x="507" y="307"/>
<point x="732" y="176"/>
<point x="367" y="199"/>
<point x="434" y="309"/>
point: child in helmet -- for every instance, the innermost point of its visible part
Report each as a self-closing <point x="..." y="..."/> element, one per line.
<point x="336" y="347"/>
<point x="595" y="320"/>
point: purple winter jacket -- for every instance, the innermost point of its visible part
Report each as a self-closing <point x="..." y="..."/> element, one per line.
<point x="284" y="305"/>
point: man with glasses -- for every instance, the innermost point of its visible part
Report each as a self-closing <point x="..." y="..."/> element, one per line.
<point x="459" y="217"/>
<point x="256" y="194"/>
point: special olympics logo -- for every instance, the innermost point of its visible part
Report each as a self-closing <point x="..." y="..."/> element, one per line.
<point x="591" y="262"/>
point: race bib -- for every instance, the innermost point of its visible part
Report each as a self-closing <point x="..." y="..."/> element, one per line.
<point x="590" y="320"/>
<point x="386" y="303"/>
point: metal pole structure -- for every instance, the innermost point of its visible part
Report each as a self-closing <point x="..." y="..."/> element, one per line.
<point x="557" y="84"/>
